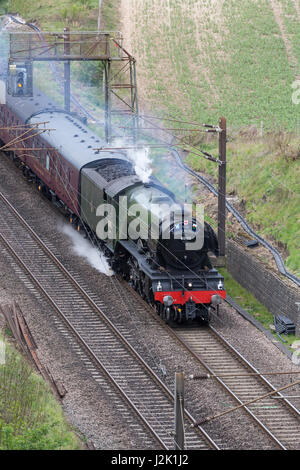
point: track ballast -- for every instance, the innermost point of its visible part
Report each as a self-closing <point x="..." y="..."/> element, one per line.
<point x="105" y="346"/>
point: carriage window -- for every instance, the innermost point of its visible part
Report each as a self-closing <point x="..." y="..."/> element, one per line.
<point x="61" y="172"/>
<point x="48" y="162"/>
<point x="38" y="152"/>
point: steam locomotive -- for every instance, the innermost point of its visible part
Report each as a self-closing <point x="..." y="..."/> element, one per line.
<point x="180" y="283"/>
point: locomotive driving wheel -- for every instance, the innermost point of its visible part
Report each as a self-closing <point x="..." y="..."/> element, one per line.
<point x="134" y="276"/>
<point x="141" y="285"/>
<point x="164" y="312"/>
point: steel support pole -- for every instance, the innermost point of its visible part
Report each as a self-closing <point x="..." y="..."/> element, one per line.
<point x="99" y="16"/>
<point x="222" y="187"/>
<point x="179" y="411"/>
<point x="133" y="100"/>
<point x="136" y="103"/>
<point x="107" y="76"/>
<point x="67" y="70"/>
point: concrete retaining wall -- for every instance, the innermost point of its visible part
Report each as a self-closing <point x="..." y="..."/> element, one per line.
<point x="265" y="285"/>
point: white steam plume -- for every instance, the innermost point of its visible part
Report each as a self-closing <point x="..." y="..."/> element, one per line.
<point x="140" y="158"/>
<point x="83" y="248"/>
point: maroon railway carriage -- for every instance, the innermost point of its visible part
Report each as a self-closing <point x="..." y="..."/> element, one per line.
<point x="55" y="169"/>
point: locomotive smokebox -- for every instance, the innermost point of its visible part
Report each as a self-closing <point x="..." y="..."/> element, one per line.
<point x="176" y="242"/>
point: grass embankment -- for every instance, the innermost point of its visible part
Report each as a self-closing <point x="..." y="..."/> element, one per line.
<point x="219" y="58"/>
<point x="54" y="16"/>
<point x="30" y="417"/>
<point x="267" y="178"/>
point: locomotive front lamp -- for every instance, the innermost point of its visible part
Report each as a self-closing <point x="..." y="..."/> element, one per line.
<point x="168" y="300"/>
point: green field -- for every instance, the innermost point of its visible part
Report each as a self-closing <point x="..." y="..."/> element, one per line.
<point x="30" y="417"/>
<point x="203" y="63"/>
<point x="201" y="60"/>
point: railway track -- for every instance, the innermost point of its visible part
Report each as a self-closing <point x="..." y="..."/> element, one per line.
<point x="108" y="355"/>
<point x="279" y="419"/>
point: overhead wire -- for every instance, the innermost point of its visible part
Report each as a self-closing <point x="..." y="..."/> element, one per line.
<point x="278" y="259"/>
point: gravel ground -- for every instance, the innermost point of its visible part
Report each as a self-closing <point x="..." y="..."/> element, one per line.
<point x="258" y="349"/>
<point x="87" y="407"/>
<point x="92" y="409"/>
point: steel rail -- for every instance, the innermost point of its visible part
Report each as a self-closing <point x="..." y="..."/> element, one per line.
<point x="204" y="436"/>
<point x="235" y="355"/>
<point x="253" y="369"/>
<point x="242" y="360"/>
<point x="80" y="338"/>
